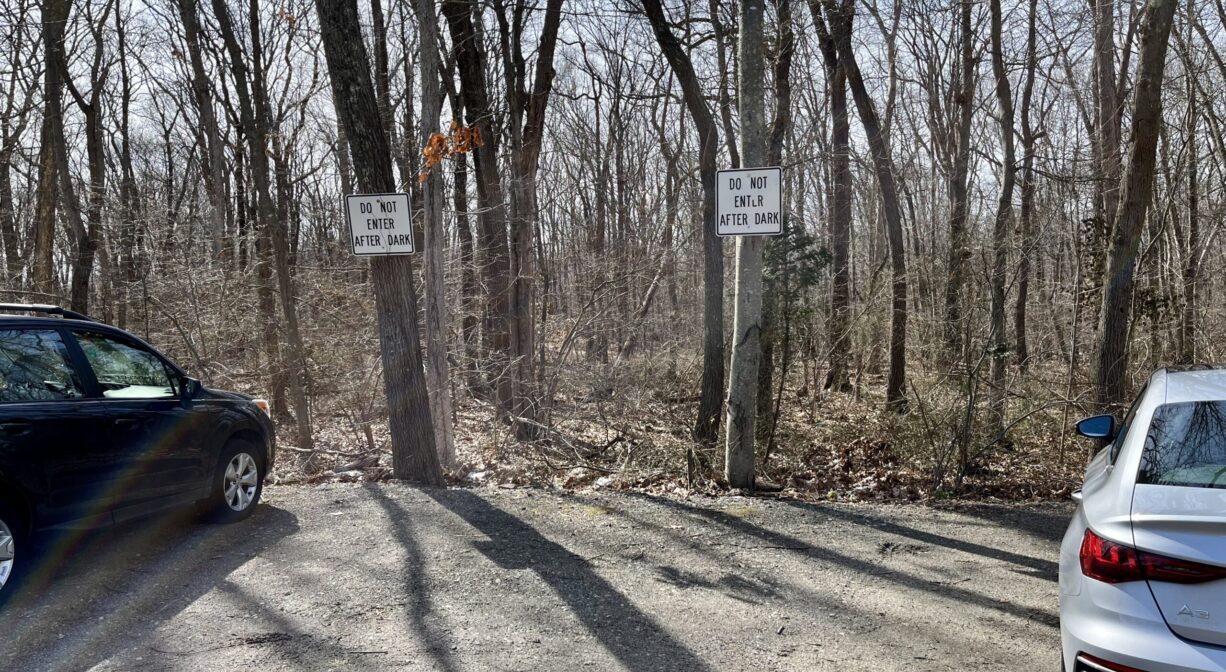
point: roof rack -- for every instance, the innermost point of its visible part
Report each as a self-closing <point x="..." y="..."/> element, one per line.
<point x="44" y="308"/>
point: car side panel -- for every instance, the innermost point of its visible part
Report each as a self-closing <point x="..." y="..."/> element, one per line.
<point x="52" y="449"/>
<point x="163" y="447"/>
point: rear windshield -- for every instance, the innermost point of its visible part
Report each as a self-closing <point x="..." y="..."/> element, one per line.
<point x="1186" y="446"/>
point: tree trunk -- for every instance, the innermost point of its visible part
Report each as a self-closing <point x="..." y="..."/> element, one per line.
<point x="253" y="112"/>
<point x="438" y="379"/>
<point x="88" y="233"/>
<point x="1000" y="230"/>
<point x="747" y="318"/>
<point x="213" y="165"/>
<point x="706" y="425"/>
<point x="127" y="177"/>
<point x="496" y="260"/>
<point x="840" y="185"/>
<point x="13" y="262"/>
<point x="1191" y="264"/>
<point x="413" y="446"/>
<point x="1116" y="314"/>
<point x="529" y="109"/>
<point x="54" y="17"/>
<point x="774" y="156"/>
<point x="1107" y="146"/>
<point x="841" y="21"/>
<point x="1028" y="241"/>
<point x="957" y="189"/>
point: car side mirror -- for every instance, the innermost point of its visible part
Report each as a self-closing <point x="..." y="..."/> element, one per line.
<point x="1097" y="427"/>
<point x="191" y="388"/>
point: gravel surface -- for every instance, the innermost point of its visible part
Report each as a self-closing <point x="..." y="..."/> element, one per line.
<point x="389" y="577"/>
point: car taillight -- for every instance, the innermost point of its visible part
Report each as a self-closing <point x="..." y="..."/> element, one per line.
<point x="1088" y="663"/>
<point x="1110" y="562"/>
<point x="262" y="404"/>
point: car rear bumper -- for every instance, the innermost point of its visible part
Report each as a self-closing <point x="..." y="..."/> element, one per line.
<point x="1120" y="623"/>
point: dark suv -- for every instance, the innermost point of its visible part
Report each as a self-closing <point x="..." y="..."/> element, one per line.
<point x="97" y="427"/>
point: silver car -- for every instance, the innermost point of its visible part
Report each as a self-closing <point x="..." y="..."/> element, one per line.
<point x="1143" y="564"/>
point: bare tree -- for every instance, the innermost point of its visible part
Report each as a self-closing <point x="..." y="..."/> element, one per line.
<point x="840" y="18"/>
<point x="1118" y="282"/>
<point x="432" y="221"/>
<point x="54" y="19"/>
<point x="1004" y="214"/>
<point x="747" y="320"/>
<point x="710" y="403"/>
<point x="254" y="115"/>
<point x="213" y="167"/>
<point x="470" y="59"/>
<point x="414" y="456"/>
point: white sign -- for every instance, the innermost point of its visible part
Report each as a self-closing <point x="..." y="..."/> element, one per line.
<point x="380" y="224"/>
<point x="747" y="202"/>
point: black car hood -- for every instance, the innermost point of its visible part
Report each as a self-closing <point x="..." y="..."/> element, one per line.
<point x="225" y="394"/>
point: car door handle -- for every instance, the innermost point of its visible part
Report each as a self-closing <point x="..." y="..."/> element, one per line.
<point x="15" y="426"/>
<point x="126" y="423"/>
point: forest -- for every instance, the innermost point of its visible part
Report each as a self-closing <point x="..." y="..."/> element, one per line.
<point x="998" y="217"/>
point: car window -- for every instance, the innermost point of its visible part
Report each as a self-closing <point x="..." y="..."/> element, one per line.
<point x="1186" y="445"/>
<point x="34" y="366"/>
<point x="125" y="371"/>
<point x="1125" y="425"/>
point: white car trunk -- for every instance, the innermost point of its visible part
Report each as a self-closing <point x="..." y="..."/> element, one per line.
<point x="1188" y="523"/>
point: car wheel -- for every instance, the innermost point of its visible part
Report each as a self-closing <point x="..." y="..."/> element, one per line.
<point x="13" y="550"/>
<point x="238" y="483"/>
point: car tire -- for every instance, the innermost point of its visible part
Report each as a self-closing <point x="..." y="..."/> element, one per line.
<point x="238" y="483"/>
<point x="14" y="550"/>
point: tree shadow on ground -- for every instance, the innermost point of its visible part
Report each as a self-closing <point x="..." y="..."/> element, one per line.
<point x="780" y="541"/>
<point x="94" y="594"/>
<point x="1046" y="569"/>
<point x="1046" y="523"/>
<point x="605" y="612"/>
<point x="420" y="606"/>
<point x="753" y="590"/>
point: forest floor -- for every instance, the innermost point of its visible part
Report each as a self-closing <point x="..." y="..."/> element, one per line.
<point x="836" y="448"/>
<point x="383" y="576"/>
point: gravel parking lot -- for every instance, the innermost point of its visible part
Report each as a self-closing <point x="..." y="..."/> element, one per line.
<point x="382" y="577"/>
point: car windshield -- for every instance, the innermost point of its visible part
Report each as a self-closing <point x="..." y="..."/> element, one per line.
<point x="1186" y="445"/>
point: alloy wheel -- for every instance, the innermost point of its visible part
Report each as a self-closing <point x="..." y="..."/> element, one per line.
<point x="8" y="552"/>
<point x="242" y="480"/>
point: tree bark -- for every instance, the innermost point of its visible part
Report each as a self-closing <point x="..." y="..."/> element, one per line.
<point x="841" y="20"/>
<point x="840" y="189"/>
<point x="88" y="232"/>
<point x="438" y="379"/>
<point x="1191" y="264"/>
<point x="13" y="263"/>
<point x="780" y="124"/>
<point x="527" y="125"/>
<point x="492" y="218"/>
<point x="1116" y="313"/>
<point x="747" y="318"/>
<point x="127" y="177"/>
<point x="710" y="402"/>
<point x="1000" y="229"/>
<point x="1028" y="192"/>
<point x="54" y="19"/>
<point x="1107" y="145"/>
<point x="957" y="189"/>
<point x="414" y="456"/>
<point x="213" y="167"/>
